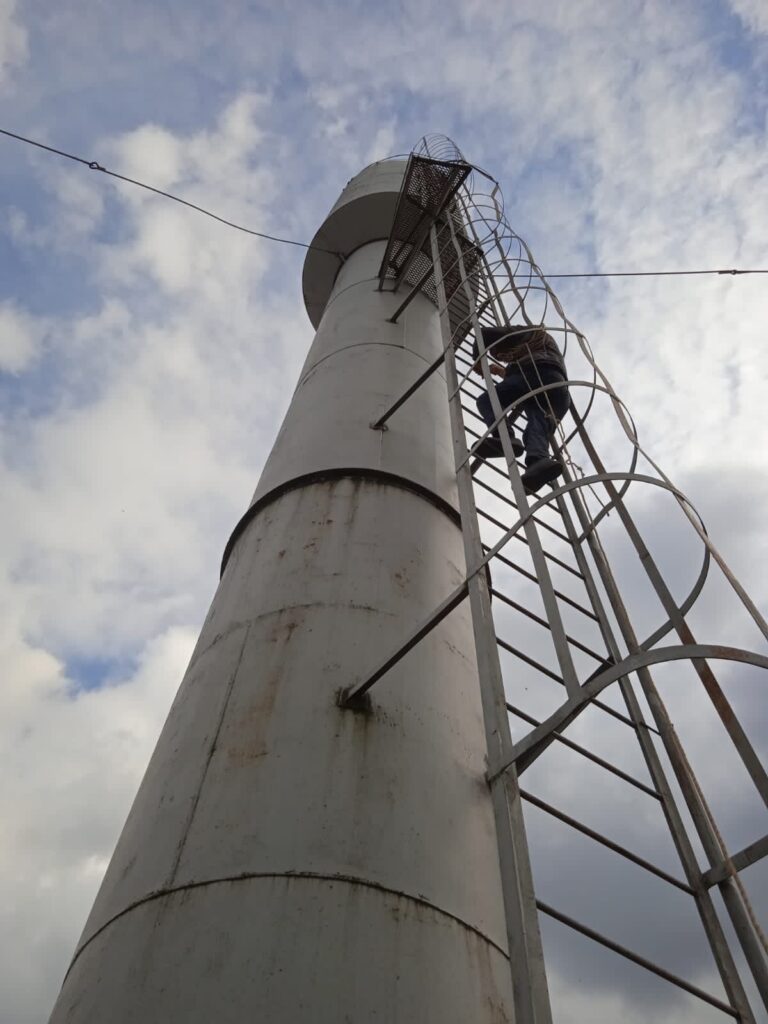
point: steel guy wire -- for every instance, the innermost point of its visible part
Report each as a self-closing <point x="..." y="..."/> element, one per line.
<point x="94" y="165"/>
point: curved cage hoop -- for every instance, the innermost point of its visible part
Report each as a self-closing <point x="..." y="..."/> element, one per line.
<point x="549" y="604"/>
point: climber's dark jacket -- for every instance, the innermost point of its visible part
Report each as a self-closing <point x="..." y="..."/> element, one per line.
<point x="522" y="346"/>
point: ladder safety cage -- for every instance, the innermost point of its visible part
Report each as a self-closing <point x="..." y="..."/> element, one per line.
<point x="549" y="608"/>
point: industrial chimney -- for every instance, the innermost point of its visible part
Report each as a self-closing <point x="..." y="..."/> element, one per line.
<point x="290" y="859"/>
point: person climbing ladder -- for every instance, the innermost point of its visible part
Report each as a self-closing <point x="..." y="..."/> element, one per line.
<point x="527" y="358"/>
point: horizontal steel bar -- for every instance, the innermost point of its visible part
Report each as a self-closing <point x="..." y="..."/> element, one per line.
<point x="603" y="659"/>
<point x="469" y="394"/>
<point x="525" y="752"/>
<point x="492" y="490"/>
<point x="535" y="519"/>
<point x="558" y="679"/>
<point x="588" y="754"/>
<point x="407" y="394"/>
<point x="495" y="493"/>
<point x="470" y="363"/>
<point x="472" y="433"/>
<point x="605" y="841"/>
<point x="465" y="379"/>
<point x="530" y="576"/>
<point x="641" y="961"/>
<point x="481" y="390"/>
<point x="508" y="501"/>
<point x="529" y="661"/>
<point x="595" y="702"/>
<point x="452" y="601"/>
<point x="749" y="855"/>
<point x="465" y="361"/>
<point x="475" y="383"/>
<point x="471" y="412"/>
<point x="547" y="554"/>
<point x="462" y="357"/>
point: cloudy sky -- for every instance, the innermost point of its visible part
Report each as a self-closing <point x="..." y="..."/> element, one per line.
<point x="147" y="354"/>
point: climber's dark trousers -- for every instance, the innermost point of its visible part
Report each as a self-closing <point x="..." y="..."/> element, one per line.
<point x="544" y="411"/>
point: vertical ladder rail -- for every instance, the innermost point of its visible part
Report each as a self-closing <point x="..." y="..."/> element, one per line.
<point x="476" y="294"/>
<point x="526" y="955"/>
<point x="739" y="738"/>
<point x="710" y="921"/>
<point x="705" y="907"/>
<point x="562" y="648"/>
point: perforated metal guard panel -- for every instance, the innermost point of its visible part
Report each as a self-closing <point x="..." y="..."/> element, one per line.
<point x="426" y="198"/>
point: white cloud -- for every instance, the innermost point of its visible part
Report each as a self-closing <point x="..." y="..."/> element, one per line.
<point x="21" y="338"/>
<point x="151" y="153"/>
<point x="13" y="39"/>
<point x="223" y="170"/>
<point x="383" y="143"/>
<point x="753" y="13"/>
<point x="74" y="758"/>
<point x="623" y="146"/>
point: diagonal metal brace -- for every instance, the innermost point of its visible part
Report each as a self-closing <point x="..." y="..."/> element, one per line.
<point x="379" y="424"/>
<point x="749" y="855"/>
<point x="353" y="693"/>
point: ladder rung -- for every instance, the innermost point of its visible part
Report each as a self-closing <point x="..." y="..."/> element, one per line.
<point x="558" y="679"/>
<point x="547" y="554"/>
<point x="529" y="661"/>
<point x="605" y="841"/>
<point x="641" y="961"/>
<point x="530" y="576"/>
<point x="501" y="473"/>
<point x="603" y="659"/>
<point x="588" y="754"/>
<point x="535" y="519"/>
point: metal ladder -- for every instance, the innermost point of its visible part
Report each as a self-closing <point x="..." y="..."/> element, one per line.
<point x="450" y="240"/>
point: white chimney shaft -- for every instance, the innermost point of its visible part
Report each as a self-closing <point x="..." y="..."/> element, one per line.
<point x="287" y="860"/>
